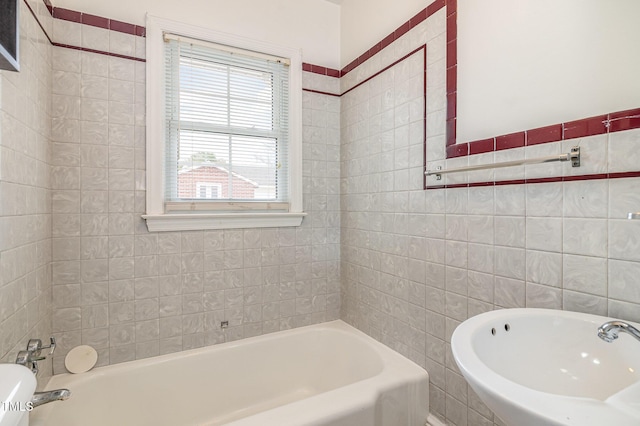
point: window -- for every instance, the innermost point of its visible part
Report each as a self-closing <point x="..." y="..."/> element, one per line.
<point x="223" y="130"/>
<point x="208" y="190"/>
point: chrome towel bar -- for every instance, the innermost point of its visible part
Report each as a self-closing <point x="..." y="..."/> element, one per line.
<point x="573" y="156"/>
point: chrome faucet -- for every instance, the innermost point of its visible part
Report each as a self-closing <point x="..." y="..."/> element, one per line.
<point x="609" y="330"/>
<point x="40" y="398"/>
<point x="30" y="357"/>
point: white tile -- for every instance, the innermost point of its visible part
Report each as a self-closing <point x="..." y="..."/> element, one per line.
<point x="585" y="274"/>
<point x="510" y="262"/>
<point x="586" y="198"/>
<point x="95" y="38"/>
<point x="510" y="200"/>
<point x="585" y="236"/>
<point x="510" y="231"/>
<point x="624" y="239"/>
<point x="624" y="197"/>
<point x="582" y="302"/>
<point x="122" y="44"/>
<point x="67" y="32"/>
<point x="544" y="234"/>
<point x="541" y="296"/>
<point x="544" y="268"/>
<point x="544" y="199"/>
<point x="624" y="151"/>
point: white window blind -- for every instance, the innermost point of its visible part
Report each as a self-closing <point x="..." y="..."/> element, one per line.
<point x="227" y="127"/>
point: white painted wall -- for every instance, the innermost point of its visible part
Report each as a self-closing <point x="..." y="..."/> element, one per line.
<point x="366" y="22"/>
<point x="313" y="25"/>
<point x="532" y="63"/>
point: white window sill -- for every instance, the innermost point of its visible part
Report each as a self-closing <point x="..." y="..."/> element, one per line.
<point x="196" y="222"/>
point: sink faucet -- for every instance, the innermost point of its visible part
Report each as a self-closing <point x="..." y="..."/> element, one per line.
<point x="609" y="330"/>
<point x="40" y="398"/>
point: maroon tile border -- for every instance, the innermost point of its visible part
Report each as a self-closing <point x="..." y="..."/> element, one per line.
<point x="87" y="19"/>
<point x="513" y="140"/>
<point x="317" y="69"/>
<point x="48" y="4"/>
<point x="396" y="34"/>
<point x="458" y="150"/>
<point x="597" y="125"/>
<point x="452" y="70"/>
<point x="599" y="176"/>
<point x="95" y="21"/>
<point x="612" y="122"/>
<point x="546" y="134"/>
<point x="585" y="127"/>
<point x="480" y="147"/>
<point x="85" y="49"/>
<point x="337" y="95"/>
<point x="624" y="120"/>
<point x="67" y="15"/>
<point x="423" y="47"/>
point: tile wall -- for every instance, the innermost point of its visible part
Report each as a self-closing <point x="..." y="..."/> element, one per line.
<point x="133" y="294"/>
<point x="25" y="199"/>
<point x="416" y="263"/>
<point x="403" y="264"/>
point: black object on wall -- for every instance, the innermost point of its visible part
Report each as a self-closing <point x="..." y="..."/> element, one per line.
<point x="9" y="37"/>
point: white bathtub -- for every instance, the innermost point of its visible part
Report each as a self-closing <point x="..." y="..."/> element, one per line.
<point x="327" y="374"/>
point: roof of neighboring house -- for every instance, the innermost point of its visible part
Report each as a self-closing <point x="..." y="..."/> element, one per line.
<point x="213" y="166"/>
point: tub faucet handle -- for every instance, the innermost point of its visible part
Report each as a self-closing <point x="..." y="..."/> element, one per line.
<point x="35" y="347"/>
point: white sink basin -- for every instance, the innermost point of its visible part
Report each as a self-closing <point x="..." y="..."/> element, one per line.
<point x="549" y="367"/>
<point x="17" y="384"/>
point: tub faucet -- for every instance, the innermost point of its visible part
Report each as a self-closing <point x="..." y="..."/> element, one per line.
<point x="40" y="398"/>
<point x="609" y="330"/>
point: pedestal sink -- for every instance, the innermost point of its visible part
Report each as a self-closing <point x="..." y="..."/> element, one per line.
<point x="548" y="367"/>
<point x="17" y="384"/>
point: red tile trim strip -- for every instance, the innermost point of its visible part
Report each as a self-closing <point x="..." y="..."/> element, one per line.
<point x="84" y="49"/>
<point x="544" y="134"/>
<point x="122" y="27"/>
<point x="621" y="175"/>
<point x="598" y="125"/>
<point x="477" y="184"/>
<point x="585" y="127"/>
<point x="317" y="69"/>
<point x="458" y="150"/>
<point x="480" y="147"/>
<point x="424" y="117"/>
<point x="321" y="92"/>
<point x="67" y="15"/>
<point x="37" y="20"/>
<point x="513" y="140"/>
<point x="545" y="180"/>
<point x="100" y="52"/>
<point x="396" y="34"/>
<point x="424" y="46"/>
<point x="584" y="177"/>
<point x="95" y="21"/>
<point x="452" y="70"/>
<point x="599" y="176"/>
<point x="624" y="120"/>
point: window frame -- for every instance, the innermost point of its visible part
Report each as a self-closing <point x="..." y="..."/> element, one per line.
<point x="157" y="217"/>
